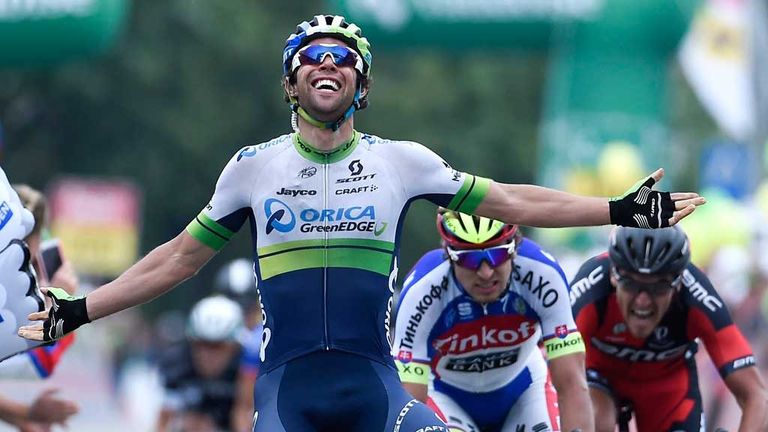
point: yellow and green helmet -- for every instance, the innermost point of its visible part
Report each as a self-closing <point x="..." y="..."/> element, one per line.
<point x="334" y="26"/>
<point x="463" y="231"/>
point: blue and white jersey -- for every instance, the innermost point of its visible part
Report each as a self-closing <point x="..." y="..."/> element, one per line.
<point x="326" y="228"/>
<point x="19" y="295"/>
<point x="251" y="359"/>
<point x="482" y="347"/>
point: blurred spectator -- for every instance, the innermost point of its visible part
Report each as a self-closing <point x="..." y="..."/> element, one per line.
<point x="52" y="270"/>
<point x="46" y="410"/>
<point x="200" y="373"/>
<point x="236" y="281"/>
<point x="39" y="415"/>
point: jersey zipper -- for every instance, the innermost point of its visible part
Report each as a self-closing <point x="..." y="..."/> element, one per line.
<point x="326" y="186"/>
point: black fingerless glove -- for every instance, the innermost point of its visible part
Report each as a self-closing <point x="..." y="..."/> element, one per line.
<point x="642" y="207"/>
<point x="67" y="314"/>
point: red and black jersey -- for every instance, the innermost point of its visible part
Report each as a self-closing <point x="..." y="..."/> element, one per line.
<point x="697" y="312"/>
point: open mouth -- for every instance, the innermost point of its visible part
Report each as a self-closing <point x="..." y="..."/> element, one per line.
<point x="487" y="288"/>
<point x="641" y="313"/>
<point x="326" y="84"/>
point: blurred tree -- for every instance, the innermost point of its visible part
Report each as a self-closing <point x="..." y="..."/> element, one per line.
<point x="190" y="82"/>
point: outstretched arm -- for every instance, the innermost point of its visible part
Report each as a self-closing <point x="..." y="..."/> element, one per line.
<point x="543" y="207"/>
<point x="162" y="269"/>
<point x="570" y="381"/>
<point x="155" y="274"/>
<point x="748" y="388"/>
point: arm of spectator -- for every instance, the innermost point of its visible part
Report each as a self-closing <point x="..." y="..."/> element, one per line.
<point x="242" y="409"/>
<point x="46" y="410"/>
<point x="418" y="391"/>
<point x="749" y="390"/>
<point x="164" y="419"/>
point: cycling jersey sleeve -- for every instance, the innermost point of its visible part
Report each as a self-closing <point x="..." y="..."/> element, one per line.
<point x="547" y="290"/>
<point x="416" y="317"/>
<point x="588" y="288"/>
<point x="230" y="205"/>
<point x="710" y="320"/>
<point x="429" y="176"/>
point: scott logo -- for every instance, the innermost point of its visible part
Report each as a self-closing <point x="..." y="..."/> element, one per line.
<point x="276" y="210"/>
<point x="355" y="167"/>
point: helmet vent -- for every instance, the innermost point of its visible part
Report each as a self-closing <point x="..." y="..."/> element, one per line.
<point x="647" y="256"/>
<point x="663" y="254"/>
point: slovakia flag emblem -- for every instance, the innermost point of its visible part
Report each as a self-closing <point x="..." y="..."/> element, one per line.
<point x="404" y="355"/>
<point x="561" y="331"/>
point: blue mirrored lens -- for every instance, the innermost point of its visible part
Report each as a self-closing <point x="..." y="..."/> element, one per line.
<point x="315" y="55"/>
<point x="472" y="259"/>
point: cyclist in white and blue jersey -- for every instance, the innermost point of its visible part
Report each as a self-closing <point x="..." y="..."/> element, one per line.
<point x="471" y="316"/>
<point x="325" y="206"/>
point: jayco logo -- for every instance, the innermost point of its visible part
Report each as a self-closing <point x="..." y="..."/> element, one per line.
<point x="355" y="167"/>
<point x="295" y="192"/>
<point x="276" y="210"/>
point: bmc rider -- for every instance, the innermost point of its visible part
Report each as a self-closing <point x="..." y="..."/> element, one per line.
<point x="642" y="307"/>
<point x="325" y="204"/>
<point x="473" y="314"/>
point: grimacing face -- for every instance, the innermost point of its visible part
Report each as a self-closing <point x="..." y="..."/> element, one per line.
<point x="642" y="311"/>
<point x="324" y="104"/>
<point x="486" y="284"/>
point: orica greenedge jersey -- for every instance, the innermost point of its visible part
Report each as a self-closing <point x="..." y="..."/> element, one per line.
<point x="325" y="230"/>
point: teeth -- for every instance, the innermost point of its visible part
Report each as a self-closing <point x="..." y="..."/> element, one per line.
<point x="642" y="313"/>
<point x="326" y="83"/>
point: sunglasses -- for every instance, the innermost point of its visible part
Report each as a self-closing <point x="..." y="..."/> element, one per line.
<point x="473" y="258"/>
<point x="315" y="55"/>
<point x="654" y="289"/>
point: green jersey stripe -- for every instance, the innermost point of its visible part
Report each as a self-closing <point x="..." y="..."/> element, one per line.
<point x="471" y="194"/>
<point x="339" y="257"/>
<point x="303" y="244"/>
<point x="209" y="232"/>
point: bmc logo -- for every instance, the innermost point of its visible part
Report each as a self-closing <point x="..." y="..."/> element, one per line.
<point x="638" y="355"/>
<point x="585" y="284"/>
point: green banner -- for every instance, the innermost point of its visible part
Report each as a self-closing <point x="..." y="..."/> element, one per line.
<point x="523" y="24"/>
<point x="40" y="32"/>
